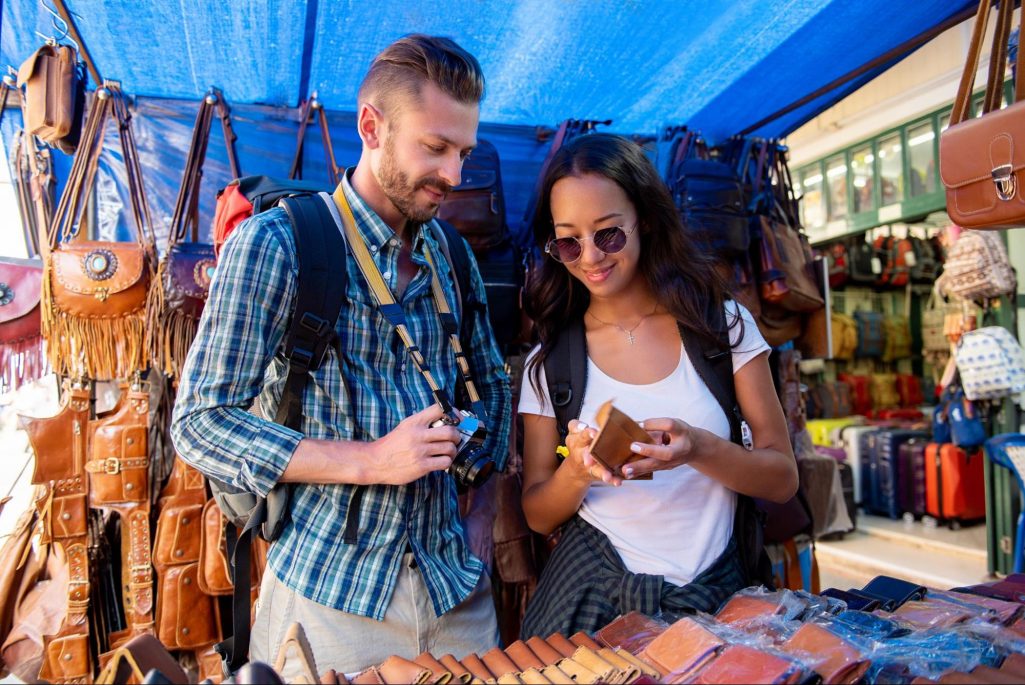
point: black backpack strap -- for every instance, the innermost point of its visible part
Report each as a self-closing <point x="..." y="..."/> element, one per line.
<point x="566" y="375"/>
<point x="454" y="247"/>
<point x="320" y="291"/>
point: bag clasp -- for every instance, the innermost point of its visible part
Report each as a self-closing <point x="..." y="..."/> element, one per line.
<point x="1005" y="182"/>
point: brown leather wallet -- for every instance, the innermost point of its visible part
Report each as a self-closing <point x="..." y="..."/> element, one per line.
<point x="741" y="610"/>
<point x="523" y="656"/>
<point x="456" y="668"/>
<point x="685" y="647"/>
<point x="498" y="662"/>
<point x="616" y="432"/>
<point x="590" y="659"/>
<point x="827" y="654"/>
<point x="743" y="664"/>
<point x="561" y="644"/>
<point x="632" y="632"/>
<point x="478" y="668"/>
<point x="395" y="669"/>
<point x="582" y="639"/>
<point x="544" y="651"/>
<point x="532" y="676"/>
<point x="441" y="676"/>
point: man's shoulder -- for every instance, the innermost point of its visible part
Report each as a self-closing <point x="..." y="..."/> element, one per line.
<point x="264" y="236"/>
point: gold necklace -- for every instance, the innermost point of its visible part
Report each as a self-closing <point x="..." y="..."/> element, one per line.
<point x="628" y="331"/>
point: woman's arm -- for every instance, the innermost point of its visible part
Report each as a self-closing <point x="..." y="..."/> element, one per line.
<point x="553" y="491"/>
<point x="769" y="471"/>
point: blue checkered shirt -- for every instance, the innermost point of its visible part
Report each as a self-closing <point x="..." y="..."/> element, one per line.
<point x="236" y="360"/>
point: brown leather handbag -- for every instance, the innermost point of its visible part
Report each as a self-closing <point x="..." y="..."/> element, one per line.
<point x="54" y="93"/>
<point x="94" y="292"/>
<point x="176" y="301"/>
<point x="21" y="343"/>
<point x="982" y="160"/>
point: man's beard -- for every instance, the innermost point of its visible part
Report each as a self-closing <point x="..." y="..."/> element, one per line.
<point x="396" y="187"/>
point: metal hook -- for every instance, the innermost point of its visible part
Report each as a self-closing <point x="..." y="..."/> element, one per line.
<point x="64" y="32"/>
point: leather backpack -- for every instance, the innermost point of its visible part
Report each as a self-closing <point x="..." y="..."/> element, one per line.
<point x="54" y="95"/>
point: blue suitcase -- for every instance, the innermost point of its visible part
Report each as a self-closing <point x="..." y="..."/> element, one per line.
<point x="884" y="470"/>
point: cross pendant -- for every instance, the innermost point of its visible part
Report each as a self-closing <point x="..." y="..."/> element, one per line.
<point x="630" y="337"/>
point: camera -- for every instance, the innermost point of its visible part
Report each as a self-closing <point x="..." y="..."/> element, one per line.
<point x="471" y="467"/>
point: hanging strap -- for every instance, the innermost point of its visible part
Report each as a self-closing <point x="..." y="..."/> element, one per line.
<point x="185" y="218"/>
<point x="313" y="107"/>
<point x="66" y="220"/>
<point x="557" y="142"/>
<point x="994" y="83"/>
<point x="392" y="311"/>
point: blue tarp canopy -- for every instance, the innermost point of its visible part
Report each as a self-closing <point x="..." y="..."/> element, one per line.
<point x="718" y="66"/>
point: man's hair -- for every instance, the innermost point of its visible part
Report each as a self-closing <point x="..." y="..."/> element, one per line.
<point x="399" y="72"/>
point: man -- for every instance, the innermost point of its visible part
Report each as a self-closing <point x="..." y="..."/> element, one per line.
<point x="409" y="582"/>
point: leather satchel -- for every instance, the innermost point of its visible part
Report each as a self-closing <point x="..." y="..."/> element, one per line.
<point x="94" y="292"/>
<point x="176" y="302"/>
<point x="54" y="92"/>
<point x="982" y="160"/>
<point x="21" y="343"/>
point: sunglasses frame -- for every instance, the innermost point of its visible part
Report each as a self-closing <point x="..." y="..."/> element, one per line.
<point x="550" y="252"/>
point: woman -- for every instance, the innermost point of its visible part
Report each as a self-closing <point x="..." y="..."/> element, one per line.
<point x="619" y="261"/>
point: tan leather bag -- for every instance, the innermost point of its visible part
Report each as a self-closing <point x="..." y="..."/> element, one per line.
<point x="50" y="77"/>
<point x="94" y="292"/>
<point x="982" y="160"/>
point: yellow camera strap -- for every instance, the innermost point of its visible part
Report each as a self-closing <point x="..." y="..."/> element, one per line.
<point x="392" y="311"/>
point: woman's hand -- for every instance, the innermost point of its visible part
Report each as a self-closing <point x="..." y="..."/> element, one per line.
<point x="584" y="466"/>
<point x="674" y="446"/>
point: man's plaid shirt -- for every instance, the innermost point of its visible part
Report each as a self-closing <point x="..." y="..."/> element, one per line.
<point x="235" y="360"/>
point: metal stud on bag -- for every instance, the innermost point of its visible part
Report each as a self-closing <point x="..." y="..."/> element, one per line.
<point x="6" y="294"/>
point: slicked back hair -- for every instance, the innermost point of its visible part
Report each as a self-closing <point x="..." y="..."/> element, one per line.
<point x="397" y="75"/>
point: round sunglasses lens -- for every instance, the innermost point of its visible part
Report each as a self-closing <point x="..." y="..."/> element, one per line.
<point x="610" y="240"/>
<point x="566" y="249"/>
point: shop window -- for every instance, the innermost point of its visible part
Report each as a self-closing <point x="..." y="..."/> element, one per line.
<point x="863" y="179"/>
<point x="891" y="170"/>
<point x="921" y="147"/>
<point x="813" y="202"/>
<point x="836" y="178"/>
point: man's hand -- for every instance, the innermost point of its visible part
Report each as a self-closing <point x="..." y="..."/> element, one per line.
<point x="413" y="449"/>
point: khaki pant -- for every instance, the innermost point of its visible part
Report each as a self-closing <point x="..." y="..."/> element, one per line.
<point x="349" y="643"/>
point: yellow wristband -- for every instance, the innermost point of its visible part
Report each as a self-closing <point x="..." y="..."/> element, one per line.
<point x="562" y="451"/>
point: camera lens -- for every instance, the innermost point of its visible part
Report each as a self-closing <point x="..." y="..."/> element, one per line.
<point x="472" y="467"/>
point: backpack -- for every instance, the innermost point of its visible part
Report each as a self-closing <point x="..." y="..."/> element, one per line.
<point x="926" y="267"/>
<point x="566" y="377"/>
<point x="244" y="197"/>
<point x="977" y="267"/>
<point x="991" y="363"/>
<point x="871" y="334"/>
<point x="320" y="291"/>
<point x="861" y="258"/>
<point x="845" y="336"/>
<point x="838" y="269"/>
<point x="898" y="338"/>
<point x="476" y="207"/>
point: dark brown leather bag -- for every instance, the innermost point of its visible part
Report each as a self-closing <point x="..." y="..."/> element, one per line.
<point x="176" y="301"/>
<point x="21" y="343"/>
<point x="94" y="292"/>
<point x="982" y="160"/>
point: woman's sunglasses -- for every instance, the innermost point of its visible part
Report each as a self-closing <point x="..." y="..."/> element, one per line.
<point x="568" y="250"/>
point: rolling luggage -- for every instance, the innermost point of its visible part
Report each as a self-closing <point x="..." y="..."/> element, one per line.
<point x="883" y="495"/>
<point x="954" y="484"/>
<point x="856" y="443"/>
<point x="911" y="477"/>
<point x="827" y="432"/>
<point x="847" y="483"/>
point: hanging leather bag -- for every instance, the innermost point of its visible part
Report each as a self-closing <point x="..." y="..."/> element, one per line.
<point x="94" y="292"/>
<point x="183" y="278"/>
<point x="982" y="160"/>
<point x="54" y="92"/>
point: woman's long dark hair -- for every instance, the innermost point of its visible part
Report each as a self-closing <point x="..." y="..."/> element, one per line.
<point x="681" y="275"/>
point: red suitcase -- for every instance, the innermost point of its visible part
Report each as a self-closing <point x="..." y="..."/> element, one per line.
<point x="954" y="483"/>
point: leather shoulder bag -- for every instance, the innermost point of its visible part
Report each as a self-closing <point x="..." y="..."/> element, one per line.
<point x="183" y="278"/>
<point x="21" y="344"/>
<point x="982" y="160"/>
<point x="94" y="292"/>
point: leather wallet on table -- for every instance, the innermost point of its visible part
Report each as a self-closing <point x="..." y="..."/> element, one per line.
<point x="829" y="655"/>
<point x="632" y="632"/>
<point x="684" y="648"/>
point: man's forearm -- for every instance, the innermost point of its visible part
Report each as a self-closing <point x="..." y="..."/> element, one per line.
<point x="329" y="462"/>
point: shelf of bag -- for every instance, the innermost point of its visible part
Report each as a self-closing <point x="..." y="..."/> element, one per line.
<point x="864" y="554"/>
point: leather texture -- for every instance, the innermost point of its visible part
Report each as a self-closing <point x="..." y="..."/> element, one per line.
<point x="685" y="647"/>
<point x="48" y="77"/>
<point x="633" y="632"/>
<point x="616" y="432"/>
<point x="20" y="291"/>
<point x="82" y="288"/>
<point x="187" y="277"/>
<point x="830" y="656"/>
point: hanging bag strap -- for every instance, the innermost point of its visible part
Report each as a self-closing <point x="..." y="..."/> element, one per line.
<point x="185" y="219"/>
<point x="392" y="311"/>
<point x="313" y="107"/>
<point x="994" y="83"/>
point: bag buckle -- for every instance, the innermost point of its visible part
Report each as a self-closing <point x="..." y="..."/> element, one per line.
<point x="1005" y="182"/>
<point x="111" y="466"/>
